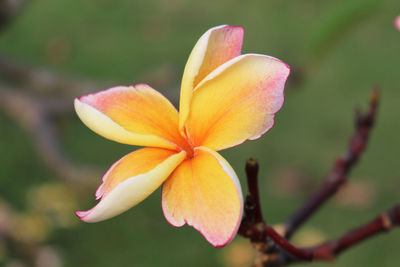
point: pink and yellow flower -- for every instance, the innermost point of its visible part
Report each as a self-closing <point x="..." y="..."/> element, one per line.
<point x="226" y="99"/>
<point x="396" y="23"/>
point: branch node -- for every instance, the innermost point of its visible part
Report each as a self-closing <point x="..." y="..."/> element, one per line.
<point x="386" y="222"/>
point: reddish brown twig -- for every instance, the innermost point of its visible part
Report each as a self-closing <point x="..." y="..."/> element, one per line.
<point x="264" y="238"/>
<point x="341" y="169"/>
<point x="382" y="223"/>
<point x="253" y="209"/>
<point x="253" y="224"/>
<point x="280" y="241"/>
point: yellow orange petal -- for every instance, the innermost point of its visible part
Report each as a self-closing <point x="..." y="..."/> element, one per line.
<point x="132" y="115"/>
<point x="237" y="101"/>
<point x="130" y="180"/>
<point x="205" y="193"/>
<point x="215" y="47"/>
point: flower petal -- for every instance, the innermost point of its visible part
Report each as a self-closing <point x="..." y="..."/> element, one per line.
<point x="205" y="193"/>
<point x="237" y="101"/>
<point x="396" y="23"/>
<point x="215" y="47"/>
<point x="130" y="180"/>
<point x="131" y="115"/>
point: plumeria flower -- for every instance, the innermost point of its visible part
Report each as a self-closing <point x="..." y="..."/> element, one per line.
<point x="396" y="23"/>
<point x="226" y="98"/>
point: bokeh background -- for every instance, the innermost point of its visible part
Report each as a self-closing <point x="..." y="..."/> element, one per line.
<point x="50" y="163"/>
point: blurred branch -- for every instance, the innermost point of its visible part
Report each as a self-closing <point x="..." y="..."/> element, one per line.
<point x="35" y="113"/>
<point x="9" y="9"/>
<point x="36" y="118"/>
<point x="47" y="82"/>
<point x="341" y="169"/>
<point x="34" y="99"/>
<point x="44" y="81"/>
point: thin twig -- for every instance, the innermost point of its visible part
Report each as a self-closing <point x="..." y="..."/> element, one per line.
<point x="382" y="223"/>
<point x="288" y="247"/>
<point x="253" y="224"/>
<point x="341" y="169"/>
<point x="264" y="238"/>
<point x="255" y="216"/>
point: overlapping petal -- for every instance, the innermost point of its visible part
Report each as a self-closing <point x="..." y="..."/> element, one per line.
<point x="205" y="193"/>
<point x="132" y="115"/>
<point x="130" y="180"/>
<point x="215" y="47"/>
<point x="237" y="101"/>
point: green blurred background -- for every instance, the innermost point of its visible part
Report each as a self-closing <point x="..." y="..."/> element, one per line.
<point x="338" y="51"/>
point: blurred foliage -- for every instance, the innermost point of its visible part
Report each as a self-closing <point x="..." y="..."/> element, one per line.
<point x="334" y="25"/>
<point x="122" y="41"/>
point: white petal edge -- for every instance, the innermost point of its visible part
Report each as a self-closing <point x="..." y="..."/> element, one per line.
<point x="106" y="127"/>
<point x="195" y="59"/>
<point x="131" y="191"/>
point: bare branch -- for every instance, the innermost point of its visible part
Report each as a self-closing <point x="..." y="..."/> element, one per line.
<point x="264" y="238"/>
<point x="253" y="224"/>
<point x="288" y="247"/>
<point x="42" y="80"/>
<point x="253" y="209"/>
<point x="8" y="10"/>
<point x="33" y="116"/>
<point x="382" y="223"/>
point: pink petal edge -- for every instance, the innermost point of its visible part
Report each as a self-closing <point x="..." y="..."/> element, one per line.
<point x="396" y="23"/>
<point x="238" y="186"/>
<point x="82" y="214"/>
<point x="212" y="75"/>
<point x="216" y="245"/>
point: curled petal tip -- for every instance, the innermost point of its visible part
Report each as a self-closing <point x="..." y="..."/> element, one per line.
<point x="215" y="47"/>
<point x="81" y="214"/>
<point x="130" y="180"/>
